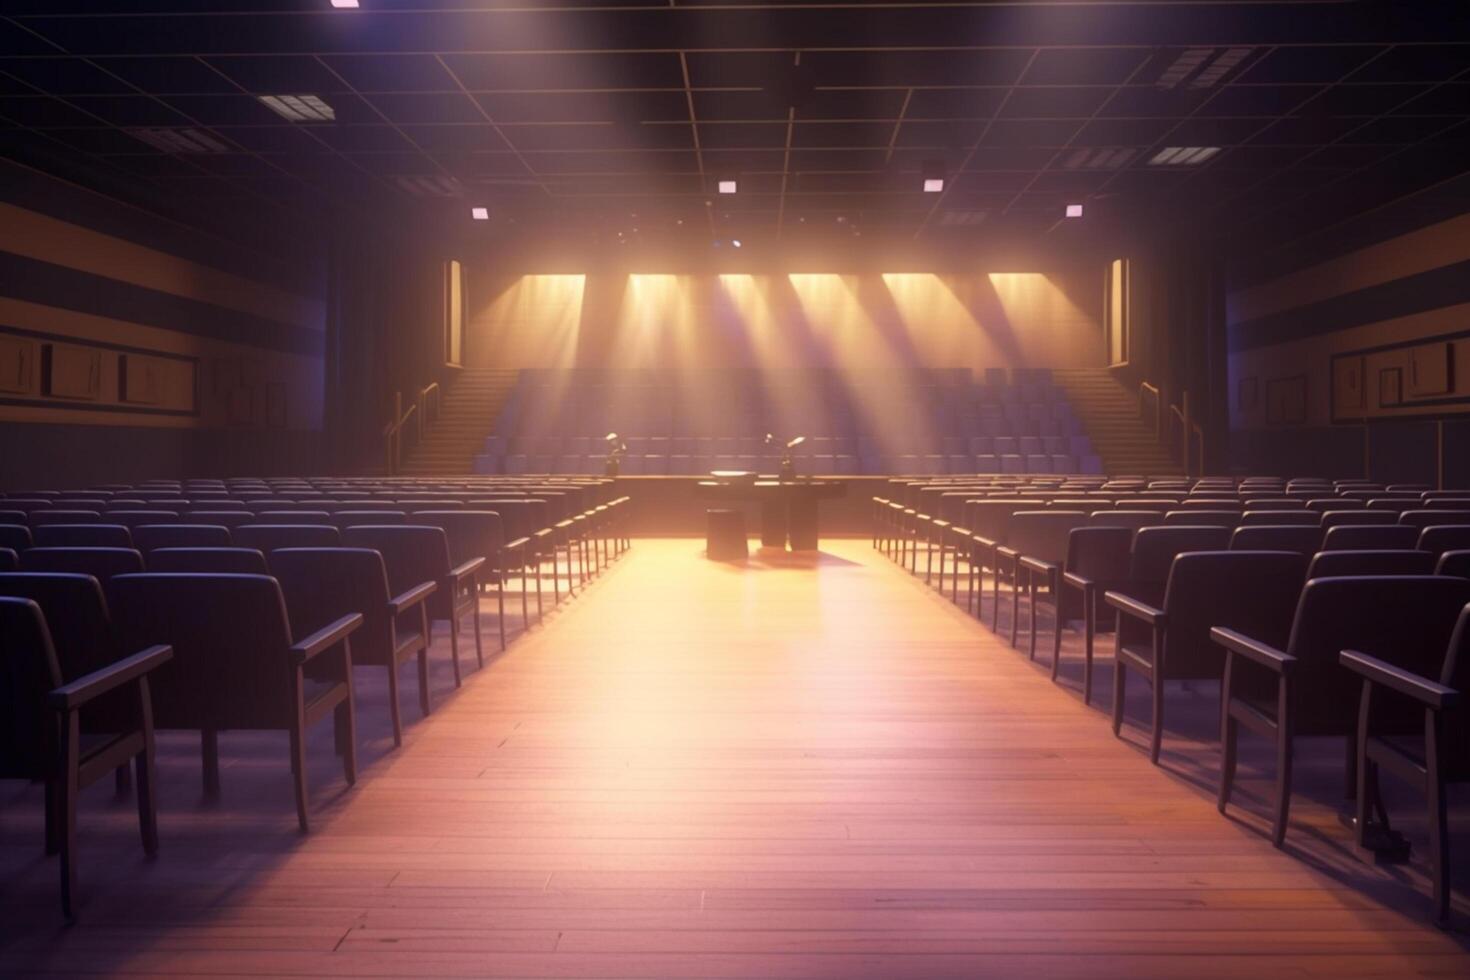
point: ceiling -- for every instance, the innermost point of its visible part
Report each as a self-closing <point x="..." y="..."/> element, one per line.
<point x="613" y="120"/>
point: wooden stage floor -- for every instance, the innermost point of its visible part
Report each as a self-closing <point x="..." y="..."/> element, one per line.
<point x="807" y="769"/>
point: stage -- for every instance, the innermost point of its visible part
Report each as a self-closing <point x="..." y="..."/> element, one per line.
<point x="672" y="506"/>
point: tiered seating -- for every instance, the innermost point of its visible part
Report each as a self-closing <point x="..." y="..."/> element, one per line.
<point x="1338" y="609"/>
<point x="922" y="422"/>
<point x="260" y="596"/>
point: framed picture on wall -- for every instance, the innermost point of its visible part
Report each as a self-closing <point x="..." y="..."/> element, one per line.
<point x="1247" y="394"/>
<point x="1347" y="384"/>
<point x="1286" y="400"/>
<point x="1390" y="387"/>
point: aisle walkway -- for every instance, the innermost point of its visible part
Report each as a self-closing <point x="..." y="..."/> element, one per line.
<point x="698" y="769"/>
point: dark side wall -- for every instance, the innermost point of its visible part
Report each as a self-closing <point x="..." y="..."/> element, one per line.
<point x="133" y="345"/>
<point x="138" y="342"/>
<point x="1355" y="360"/>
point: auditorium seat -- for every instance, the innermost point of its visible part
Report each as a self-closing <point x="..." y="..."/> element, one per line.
<point x="1199" y="517"/>
<point x="321" y="585"/>
<point x="236" y="666"/>
<point x="1332" y="564"/>
<point x="1455" y="563"/>
<point x="40" y="518"/>
<point x="1303" y="539"/>
<point x="221" y="518"/>
<point x="218" y="561"/>
<point x="150" y="537"/>
<point x="35" y="747"/>
<point x="1257" y="518"/>
<point x="268" y="537"/>
<point x="1404" y="620"/>
<point x="414" y="554"/>
<point x="475" y="535"/>
<point x="1427" y="518"/>
<point x="82" y="536"/>
<point x="1253" y="592"/>
<point x="1441" y="760"/>
<point x="1370" y="537"/>
<point x="1439" y="538"/>
<point x="1037" y="544"/>
<point x="101" y="563"/>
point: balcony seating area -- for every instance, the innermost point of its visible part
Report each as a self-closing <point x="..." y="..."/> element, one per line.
<point x="916" y="422"/>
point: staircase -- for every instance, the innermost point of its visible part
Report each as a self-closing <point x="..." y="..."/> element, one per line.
<point x="467" y="412"/>
<point x="1109" y="411"/>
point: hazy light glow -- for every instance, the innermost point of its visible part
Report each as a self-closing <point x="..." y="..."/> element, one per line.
<point x="933" y="185"/>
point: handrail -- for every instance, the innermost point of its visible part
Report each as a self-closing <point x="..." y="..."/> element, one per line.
<point x="1144" y="388"/>
<point x="393" y="428"/>
<point x="1190" y="429"/>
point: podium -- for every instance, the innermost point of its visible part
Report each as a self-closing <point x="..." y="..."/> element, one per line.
<point x="789" y="508"/>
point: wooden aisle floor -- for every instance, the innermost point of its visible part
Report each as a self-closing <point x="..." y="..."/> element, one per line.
<point x="695" y="769"/>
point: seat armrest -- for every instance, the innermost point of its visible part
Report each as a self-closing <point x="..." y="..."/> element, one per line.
<point x="1037" y="565"/>
<point x="1262" y="653"/>
<point x="467" y="570"/>
<point x="400" y="604"/>
<point x="325" y="638"/>
<point x="1421" y="689"/>
<point x="1077" y="581"/>
<point x="71" y="696"/>
<point x="1137" y="609"/>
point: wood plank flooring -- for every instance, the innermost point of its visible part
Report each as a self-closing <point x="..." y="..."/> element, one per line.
<point x="791" y="769"/>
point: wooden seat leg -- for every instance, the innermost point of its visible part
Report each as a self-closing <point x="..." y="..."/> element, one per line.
<point x="147" y="764"/>
<point x="1120" y="685"/>
<point x="298" y="767"/>
<point x="395" y="711"/>
<point x="67" y="781"/>
<point x="454" y="647"/>
<point x="1284" y="731"/>
<point x="1439" y="839"/>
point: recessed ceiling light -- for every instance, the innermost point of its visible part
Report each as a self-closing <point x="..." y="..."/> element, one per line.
<point x="735" y="242"/>
<point x="480" y="214"/>
<point x="345" y="4"/>
<point x="300" y="108"/>
<point x="727" y="187"/>
<point x="1220" y="67"/>
<point x="1074" y="210"/>
<point x="1174" y="156"/>
<point x="180" y="140"/>
<point x="933" y="185"/>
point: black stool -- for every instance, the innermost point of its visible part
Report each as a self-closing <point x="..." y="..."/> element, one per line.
<point x="725" y="535"/>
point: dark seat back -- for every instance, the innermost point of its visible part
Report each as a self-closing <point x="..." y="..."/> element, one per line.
<point x="520" y="516"/>
<point x="1371" y="537"/>
<point x="230" y="637"/>
<point x="101" y="563"/>
<point x="345" y="518"/>
<point x="1154" y="549"/>
<point x="412" y="553"/>
<point x="471" y="533"/>
<point x="40" y="518"/>
<point x="82" y="536"/>
<point x="1130" y="519"/>
<point x="16" y="537"/>
<point x="1338" y="518"/>
<point x="222" y="518"/>
<point x="1440" y="538"/>
<point x="1455" y="563"/>
<point x="150" y="537"/>
<point x="76" y="614"/>
<point x="1257" y="518"/>
<point x="321" y="585"/>
<point x="217" y="561"/>
<point x="132" y="518"/>
<point x="269" y="537"/>
<point x="1335" y="564"/>
<point x="1200" y="517"/>
<point x="29" y="670"/>
<point x="1304" y="539"/>
<point x="1254" y="592"/>
<point x="1044" y="534"/>
<point x="1413" y="518"/>
<point x="1406" y="620"/>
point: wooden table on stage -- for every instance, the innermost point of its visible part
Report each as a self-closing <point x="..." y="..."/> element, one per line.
<point x="788" y="509"/>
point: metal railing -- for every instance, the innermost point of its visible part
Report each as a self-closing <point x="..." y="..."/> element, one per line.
<point x="423" y="413"/>
<point x="1175" y="427"/>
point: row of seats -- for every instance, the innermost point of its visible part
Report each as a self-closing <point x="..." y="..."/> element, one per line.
<point x="109" y="630"/>
<point x="931" y="422"/>
<point x="1304" y="621"/>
